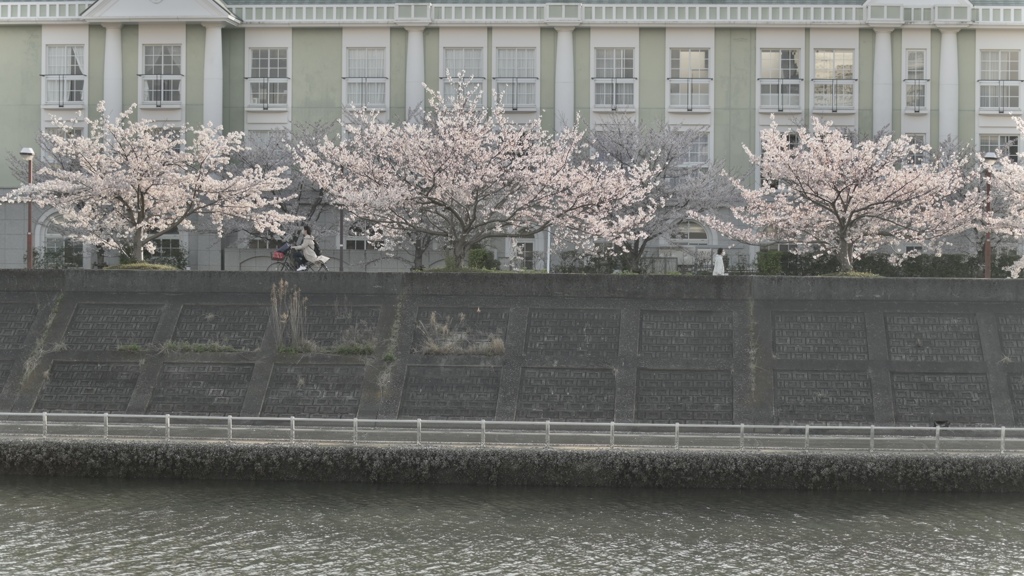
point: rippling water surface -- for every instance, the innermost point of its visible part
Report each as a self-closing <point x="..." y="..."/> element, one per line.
<point x="61" y="526"/>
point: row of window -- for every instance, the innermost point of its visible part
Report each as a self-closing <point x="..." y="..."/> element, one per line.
<point x="516" y="78"/>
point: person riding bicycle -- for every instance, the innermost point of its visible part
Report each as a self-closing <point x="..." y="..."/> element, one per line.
<point x="304" y="252"/>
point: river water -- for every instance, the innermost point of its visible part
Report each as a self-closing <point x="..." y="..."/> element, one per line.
<point x="76" y="526"/>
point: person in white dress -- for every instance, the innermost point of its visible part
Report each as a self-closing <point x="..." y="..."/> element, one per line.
<point x="305" y="248"/>
<point x="719" y="264"/>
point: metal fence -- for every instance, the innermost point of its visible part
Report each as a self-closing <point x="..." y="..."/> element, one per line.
<point x="547" y="434"/>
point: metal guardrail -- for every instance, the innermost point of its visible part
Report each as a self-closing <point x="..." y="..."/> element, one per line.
<point x="168" y="428"/>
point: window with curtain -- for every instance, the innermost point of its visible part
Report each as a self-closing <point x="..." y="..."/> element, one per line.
<point x="1000" y="80"/>
<point x="833" y="80"/>
<point x="161" y="74"/>
<point x="268" y="78"/>
<point x="65" y="79"/>
<point x="365" y="78"/>
<point x="780" y="79"/>
<point x="614" y="80"/>
<point x="515" y="77"/>
<point x="917" y="81"/>
<point x="466" y="61"/>
<point x="690" y="83"/>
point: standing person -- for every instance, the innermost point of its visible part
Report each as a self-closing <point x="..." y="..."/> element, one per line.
<point x="719" y="265"/>
<point x="305" y="248"/>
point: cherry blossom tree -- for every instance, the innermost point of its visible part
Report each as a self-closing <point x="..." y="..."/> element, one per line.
<point x="466" y="174"/>
<point x="678" y="185"/>
<point x="131" y="182"/>
<point x="842" y="197"/>
<point x="306" y="200"/>
<point x="1005" y="193"/>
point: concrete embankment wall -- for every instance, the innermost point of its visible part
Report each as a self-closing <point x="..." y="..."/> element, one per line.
<point x="560" y="347"/>
<point x="516" y="467"/>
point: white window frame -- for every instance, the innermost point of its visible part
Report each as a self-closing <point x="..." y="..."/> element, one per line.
<point x="698" y="152"/>
<point x="357" y="238"/>
<point x="1006" y="144"/>
<point x="454" y="60"/>
<point x="529" y="253"/>
<point x="165" y="79"/>
<point x="173" y="245"/>
<point x="65" y="76"/>
<point x="515" y="78"/>
<point x="614" y="81"/>
<point x="683" y="234"/>
<point x="268" y="84"/>
<point x="689" y="87"/>
<point x="999" y="87"/>
<point x="834" y="83"/>
<point x="915" y="85"/>
<point x="364" y="77"/>
<point x="780" y="90"/>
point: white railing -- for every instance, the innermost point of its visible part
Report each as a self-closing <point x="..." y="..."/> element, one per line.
<point x="585" y="14"/>
<point x="167" y="428"/>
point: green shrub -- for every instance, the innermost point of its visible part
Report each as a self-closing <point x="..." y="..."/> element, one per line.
<point x="142" y="266"/>
<point x="482" y="259"/>
<point x="876" y="264"/>
<point x="945" y="266"/>
<point x="769" y="262"/>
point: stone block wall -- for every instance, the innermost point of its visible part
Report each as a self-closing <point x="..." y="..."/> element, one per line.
<point x="517" y="347"/>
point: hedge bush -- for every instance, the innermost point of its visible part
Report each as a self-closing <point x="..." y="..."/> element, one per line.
<point x="775" y="263"/>
<point x="516" y="466"/>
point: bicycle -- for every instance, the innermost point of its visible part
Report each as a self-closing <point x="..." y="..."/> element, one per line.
<point x="284" y="261"/>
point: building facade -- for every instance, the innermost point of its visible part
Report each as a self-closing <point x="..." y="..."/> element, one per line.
<point x="930" y="70"/>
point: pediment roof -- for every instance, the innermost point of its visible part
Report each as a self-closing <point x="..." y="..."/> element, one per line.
<point x="158" y="11"/>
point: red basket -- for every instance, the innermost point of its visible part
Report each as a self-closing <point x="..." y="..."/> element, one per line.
<point x="277" y="255"/>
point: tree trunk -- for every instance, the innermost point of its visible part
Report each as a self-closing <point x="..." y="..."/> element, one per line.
<point x="137" y="245"/>
<point x="845" y="256"/>
<point x="632" y="261"/>
<point x="460" y="254"/>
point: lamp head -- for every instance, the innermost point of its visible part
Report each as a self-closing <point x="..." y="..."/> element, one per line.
<point x="991" y="158"/>
<point x="27" y="153"/>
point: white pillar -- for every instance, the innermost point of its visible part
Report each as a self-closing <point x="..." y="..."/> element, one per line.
<point x="949" y="76"/>
<point x="414" y="64"/>
<point x="882" y="100"/>
<point x="213" y="76"/>
<point x="112" y="77"/>
<point x="565" y="86"/>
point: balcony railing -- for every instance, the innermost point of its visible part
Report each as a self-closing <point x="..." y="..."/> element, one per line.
<point x="917" y="94"/>
<point x="999" y="96"/>
<point x="833" y="95"/>
<point x="518" y="93"/>
<point x="614" y="94"/>
<point x="161" y="90"/>
<point x="267" y="93"/>
<point x="780" y="94"/>
<point x="368" y="92"/>
<point x="65" y="90"/>
<point x="689" y="94"/>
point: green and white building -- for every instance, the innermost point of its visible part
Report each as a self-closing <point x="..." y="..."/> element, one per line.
<point x="928" y="68"/>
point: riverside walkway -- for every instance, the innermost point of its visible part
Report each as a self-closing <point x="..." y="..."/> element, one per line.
<point x="526" y="434"/>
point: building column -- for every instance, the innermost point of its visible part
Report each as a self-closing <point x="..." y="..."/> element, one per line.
<point x="414" y="63"/>
<point x="112" y="75"/>
<point x="882" y="81"/>
<point x="565" y="85"/>
<point x="949" y="76"/>
<point x="213" y="76"/>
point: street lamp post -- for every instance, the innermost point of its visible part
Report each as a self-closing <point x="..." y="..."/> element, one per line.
<point x="990" y="161"/>
<point x="28" y="154"/>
